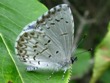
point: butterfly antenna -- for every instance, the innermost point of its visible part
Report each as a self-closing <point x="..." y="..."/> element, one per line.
<point x="50" y="75"/>
<point x="74" y="48"/>
<point x="82" y="40"/>
<point x="73" y="59"/>
<point x="85" y="51"/>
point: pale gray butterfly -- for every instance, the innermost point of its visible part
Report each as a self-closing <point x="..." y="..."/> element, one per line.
<point x="48" y="42"/>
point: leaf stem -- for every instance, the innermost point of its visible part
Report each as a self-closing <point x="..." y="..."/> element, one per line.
<point x="7" y="48"/>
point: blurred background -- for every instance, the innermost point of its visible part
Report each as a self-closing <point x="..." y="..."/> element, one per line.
<point x="91" y="17"/>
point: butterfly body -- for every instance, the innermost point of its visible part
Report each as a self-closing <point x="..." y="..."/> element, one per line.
<point x="48" y="42"/>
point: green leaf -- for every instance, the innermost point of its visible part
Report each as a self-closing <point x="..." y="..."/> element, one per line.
<point x="82" y="65"/>
<point x="8" y="71"/>
<point x="102" y="58"/>
<point x="14" y="15"/>
<point x="105" y="78"/>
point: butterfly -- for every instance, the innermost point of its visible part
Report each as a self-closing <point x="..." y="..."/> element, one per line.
<point x="48" y="42"/>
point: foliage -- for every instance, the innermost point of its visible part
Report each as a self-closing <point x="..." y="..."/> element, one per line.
<point x="102" y="58"/>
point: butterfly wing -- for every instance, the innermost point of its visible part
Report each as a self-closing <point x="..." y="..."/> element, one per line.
<point x="58" y="25"/>
<point x="49" y="40"/>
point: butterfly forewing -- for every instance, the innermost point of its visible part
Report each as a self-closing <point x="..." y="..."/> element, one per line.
<point x="59" y="27"/>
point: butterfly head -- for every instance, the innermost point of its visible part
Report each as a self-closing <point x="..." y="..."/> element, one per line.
<point x="73" y="59"/>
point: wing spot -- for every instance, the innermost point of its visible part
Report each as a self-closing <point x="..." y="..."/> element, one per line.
<point x="41" y="29"/>
<point x="48" y="27"/>
<point x="34" y="57"/>
<point x="38" y="62"/>
<point x="20" y="45"/>
<point x="66" y="21"/>
<point x="40" y="21"/>
<point x="21" y="39"/>
<point x="34" y="50"/>
<point x="36" y="43"/>
<point x="37" y="53"/>
<point x="35" y="46"/>
<point x="57" y="20"/>
<point x="52" y="23"/>
<point x="49" y="41"/>
<point x="46" y="15"/>
<point x="32" y="33"/>
<point x="57" y="52"/>
<point x="45" y="44"/>
<point x="61" y="18"/>
<point x="21" y="51"/>
<point x="49" y="56"/>
<point x="25" y="35"/>
<point x="24" y="60"/>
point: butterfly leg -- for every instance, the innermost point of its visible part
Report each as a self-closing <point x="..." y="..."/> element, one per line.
<point x="64" y="74"/>
<point x="31" y="68"/>
<point x="50" y="75"/>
